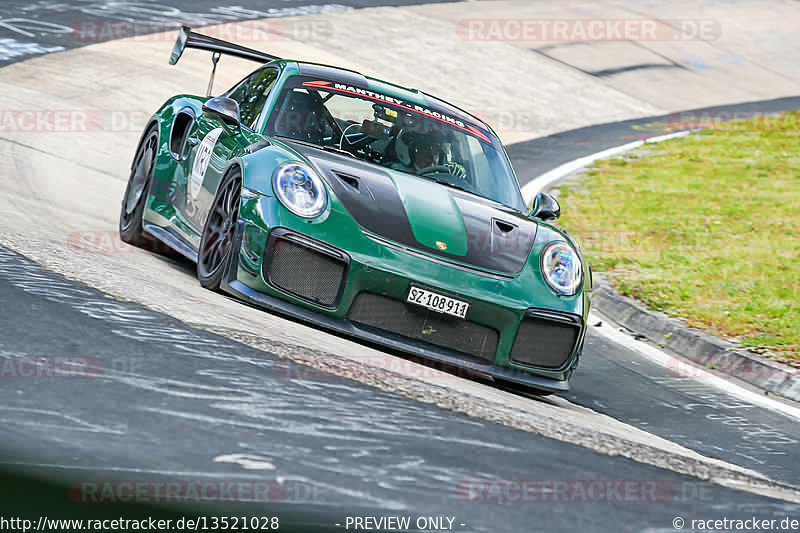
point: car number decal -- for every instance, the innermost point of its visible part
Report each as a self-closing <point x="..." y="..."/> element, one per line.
<point x="201" y="160"/>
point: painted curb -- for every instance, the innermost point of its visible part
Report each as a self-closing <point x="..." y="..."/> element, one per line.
<point x="698" y="346"/>
<point x="671" y="333"/>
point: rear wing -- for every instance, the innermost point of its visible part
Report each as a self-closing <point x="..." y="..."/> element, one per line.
<point x="189" y="39"/>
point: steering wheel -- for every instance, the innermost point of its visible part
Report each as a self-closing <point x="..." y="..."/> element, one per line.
<point x="454" y="169"/>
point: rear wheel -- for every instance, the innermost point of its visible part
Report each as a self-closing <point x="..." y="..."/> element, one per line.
<point x="216" y="243"/>
<point x="130" y="217"/>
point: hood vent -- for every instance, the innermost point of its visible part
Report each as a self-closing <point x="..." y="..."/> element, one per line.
<point x="349" y="180"/>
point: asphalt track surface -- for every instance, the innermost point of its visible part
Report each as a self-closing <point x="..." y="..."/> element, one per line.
<point x="167" y="401"/>
<point x="29" y="28"/>
<point x="347" y="446"/>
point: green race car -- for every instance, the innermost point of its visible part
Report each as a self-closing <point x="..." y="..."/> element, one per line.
<point x="365" y="208"/>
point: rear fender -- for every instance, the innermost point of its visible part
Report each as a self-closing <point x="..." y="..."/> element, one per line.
<point x="162" y="201"/>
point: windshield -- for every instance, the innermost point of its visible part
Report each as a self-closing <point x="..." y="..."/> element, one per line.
<point x="396" y="134"/>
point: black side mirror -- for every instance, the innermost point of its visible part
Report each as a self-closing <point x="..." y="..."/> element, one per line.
<point x="545" y="207"/>
<point x="226" y="109"/>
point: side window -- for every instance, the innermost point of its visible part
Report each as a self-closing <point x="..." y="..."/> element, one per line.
<point x="252" y="92"/>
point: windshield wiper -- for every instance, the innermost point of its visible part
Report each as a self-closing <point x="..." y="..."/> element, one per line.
<point x="326" y="147"/>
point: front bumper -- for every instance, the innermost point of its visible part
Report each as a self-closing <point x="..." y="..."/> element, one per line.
<point x="370" y="266"/>
<point x="391" y="341"/>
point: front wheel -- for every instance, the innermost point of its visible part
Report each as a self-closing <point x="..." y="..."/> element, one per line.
<point x="130" y="216"/>
<point x="216" y="243"/>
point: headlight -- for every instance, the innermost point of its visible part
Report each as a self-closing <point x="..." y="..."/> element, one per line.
<point x="299" y="189"/>
<point x="561" y="268"/>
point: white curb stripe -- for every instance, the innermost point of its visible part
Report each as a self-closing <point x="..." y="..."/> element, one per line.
<point x="549" y="178"/>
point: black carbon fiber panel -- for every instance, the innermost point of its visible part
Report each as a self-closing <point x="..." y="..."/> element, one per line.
<point x="498" y="238"/>
<point x="305" y="272"/>
<point x="544" y="343"/>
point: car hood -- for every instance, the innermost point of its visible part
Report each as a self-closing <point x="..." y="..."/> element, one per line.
<point x="426" y="215"/>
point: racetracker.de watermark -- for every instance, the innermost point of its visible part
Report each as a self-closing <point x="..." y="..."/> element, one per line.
<point x="178" y="491"/>
<point x="752" y="371"/>
<point x="566" y="490"/>
<point x="107" y="242"/>
<point x="383" y="367"/>
<point x="41" y="366"/>
<point x="306" y="30"/>
<point x="66" y="366"/>
<point x="51" y="120"/>
<point x="80" y="121"/>
<point x="72" y="120"/>
<point x="591" y="29"/>
<point x="735" y="524"/>
<point x="715" y="118"/>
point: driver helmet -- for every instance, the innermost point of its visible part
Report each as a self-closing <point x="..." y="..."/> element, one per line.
<point x="419" y="150"/>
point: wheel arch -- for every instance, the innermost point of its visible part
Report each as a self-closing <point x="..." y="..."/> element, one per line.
<point x="153" y="122"/>
<point x="234" y="163"/>
<point x="257" y="167"/>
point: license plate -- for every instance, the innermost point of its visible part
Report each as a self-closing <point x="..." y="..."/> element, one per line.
<point x="437" y="302"/>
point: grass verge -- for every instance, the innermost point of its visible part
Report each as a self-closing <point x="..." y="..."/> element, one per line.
<point x="704" y="227"/>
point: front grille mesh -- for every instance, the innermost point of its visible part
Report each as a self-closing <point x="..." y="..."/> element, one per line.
<point x="305" y="272"/>
<point x="544" y="343"/>
<point x="421" y="324"/>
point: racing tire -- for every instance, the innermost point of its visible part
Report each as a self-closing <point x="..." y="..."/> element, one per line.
<point x="217" y="240"/>
<point x="136" y="192"/>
